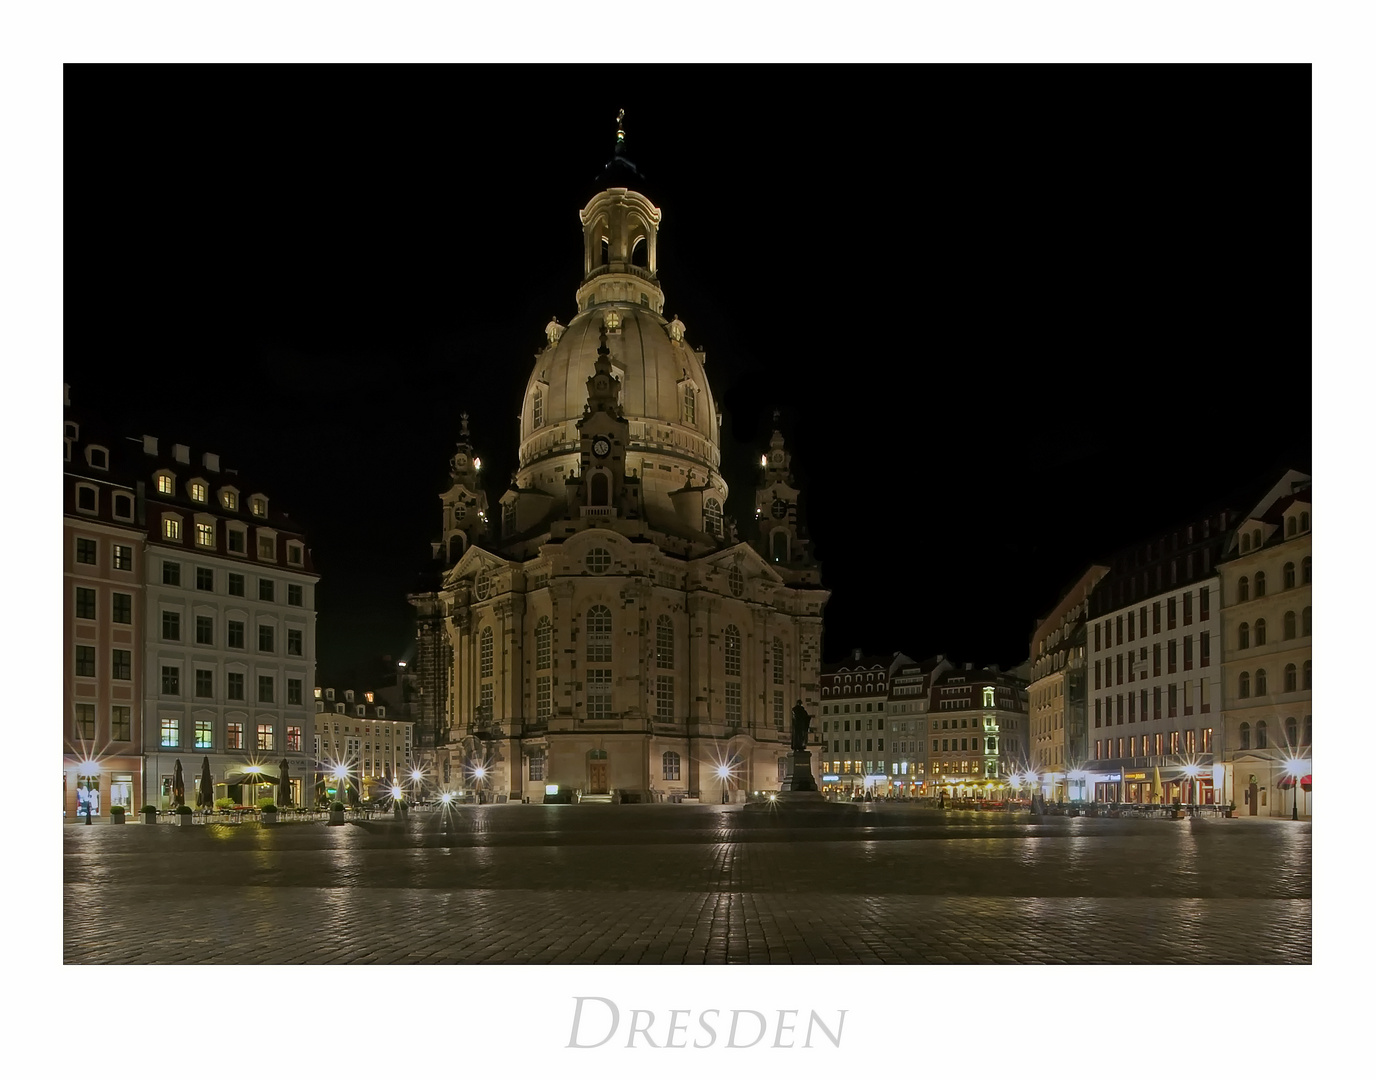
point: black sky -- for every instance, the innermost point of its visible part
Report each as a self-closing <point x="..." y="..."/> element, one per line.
<point x="1015" y="318"/>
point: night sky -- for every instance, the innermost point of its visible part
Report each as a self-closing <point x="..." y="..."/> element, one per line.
<point x="1014" y="318"/>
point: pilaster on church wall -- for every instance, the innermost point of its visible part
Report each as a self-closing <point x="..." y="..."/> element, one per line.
<point x="700" y="653"/>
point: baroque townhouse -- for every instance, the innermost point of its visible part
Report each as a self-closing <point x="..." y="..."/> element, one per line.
<point x="909" y="683"/>
<point x="608" y="634"/>
<point x="1057" y="695"/>
<point x="102" y="622"/>
<point x="856" y="692"/>
<point x="361" y="749"/>
<point x="1267" y="649"/>
<point x="229" y="634"/>
<point x="977" y="731"/>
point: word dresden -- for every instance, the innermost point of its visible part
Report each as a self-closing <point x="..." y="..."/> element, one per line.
<point x="598" y="1024"/>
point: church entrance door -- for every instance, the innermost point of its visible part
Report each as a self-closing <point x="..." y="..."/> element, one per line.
<point x="597" y="778"/>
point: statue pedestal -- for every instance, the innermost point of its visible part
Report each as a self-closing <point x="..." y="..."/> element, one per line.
<point x="802" y="779"/>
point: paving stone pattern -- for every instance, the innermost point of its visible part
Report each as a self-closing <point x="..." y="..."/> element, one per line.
<point x="672" y="885"/>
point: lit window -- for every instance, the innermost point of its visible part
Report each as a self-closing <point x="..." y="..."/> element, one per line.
<point x="124" y="557"/>
<point x="171" y="529"/>
<point x="230" y="499"/>
<point x="294" y="740"/>
<point x="203" y="736"/>
<point x="170" y="735"/>
<point x="267" y="547"/>
<point x="260" y="507"/>
<point x="205" y="535"/>
<point x="265" y="737"/>
<point x="164" y="485"/>
<point x="197" y="492"/>
<point x="234" y="736"/>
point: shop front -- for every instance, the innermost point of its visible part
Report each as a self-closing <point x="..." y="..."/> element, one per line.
<point x="99" y="785"/>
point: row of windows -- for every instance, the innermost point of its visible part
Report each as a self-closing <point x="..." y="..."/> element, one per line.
<point x="121" y="605"/>
<point x="87" y="500"/>
<point x="1255" y="633"/>
<point x="1245" y="734"/>
<point x="237" y="543"/>
<point x="121" y="722"/>
<point x="1250" y="686"/>
<point x="1112" y="670"/>
<point x="1252" y="540"/>
<point x="1105" y="632"/>
<point x="1105" y="712"/>
<point x="87" y="551"/>
<point x="234" y="636"/>
<point x="1158" y="745"/>
<point x="1255" y="587"/>
<point x="598" y="626"/>
<point x="265" y="736"/>
<point x="198" y="491"/>
<point x="844" y="744"/>
<point x="235" y="583"/>
<point x="870" y="706"/>
<point x="235" y="681"/>
<point x="836" y="724"/>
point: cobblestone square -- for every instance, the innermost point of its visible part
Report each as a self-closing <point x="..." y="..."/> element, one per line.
<point x="880" y="884"/>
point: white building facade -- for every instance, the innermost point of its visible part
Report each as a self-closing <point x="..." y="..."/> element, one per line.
<point x="229" y="647"/>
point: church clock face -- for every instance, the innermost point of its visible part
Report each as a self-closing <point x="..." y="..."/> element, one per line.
<point x="601" y="446"/>
<point x="780" y="508"/>
<point x="777" y="457"/>
<point x="461" y="461"/>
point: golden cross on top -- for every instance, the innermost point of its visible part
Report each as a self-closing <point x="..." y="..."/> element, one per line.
<point x="620" y="120"/>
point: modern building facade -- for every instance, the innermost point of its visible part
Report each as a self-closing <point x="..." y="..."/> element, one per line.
<point x="610" y="633"/>
<point x="1153" y="654"/>
<point x="229" y="633"/>
<point x="1057" y="694"/>
<point x="1267" y="655"/>
<point x="102" y="624"/>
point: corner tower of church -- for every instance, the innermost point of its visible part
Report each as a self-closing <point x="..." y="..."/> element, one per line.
<point x="611" y="638"/>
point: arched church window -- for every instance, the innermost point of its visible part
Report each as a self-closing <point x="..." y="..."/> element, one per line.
<point x="599" y="490"/>
<point x="544" y="633"/>
<point x="485" y="654"/>
<point x="664" y="642"/>
<point x="605" y="250"/>
<point x="1259" y="632"/>
<point x="1292" y="732"/>
<point x="711" y="513"/>
<point x="690" y="405"/>
<point x="1260" y="682"/>
<point x="671" y="765"/>
<point x="779" y="549"/>
<point x="1244" y="685"/>
<point x="640" y="253"/>
<point x="1261" y="735"/>
<point x="1242" y="590"/>
<point x="1292" y="674"/>
<point x="1259" y="585"/>
<point x="1244" y="736"/>
<point x="599" y="624"/>
<point x="733" y="651"/>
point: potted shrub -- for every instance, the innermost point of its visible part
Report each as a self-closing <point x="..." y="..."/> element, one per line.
<point x="150" y="814"/>
<point x="224" y="804"/>
<point x="269" y="811"/>
<point x="183" y="814"/>
<point x="117" y="814"/>
<point x="1232" y="810"/>
<point x="1177" y="811"/>
<point x="337" y="813"/>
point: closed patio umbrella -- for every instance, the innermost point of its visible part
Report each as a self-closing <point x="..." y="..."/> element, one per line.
<point x="205" y="796"/>
<point x="283" y="785"/>
<point x="178" y="785"/>
<point x="1157" y="794"/>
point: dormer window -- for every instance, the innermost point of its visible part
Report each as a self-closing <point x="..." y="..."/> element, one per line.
<point x="97" y="457"/>
<point x="259" y="505"/>
<point x="69" y="430"/>
<point x="267" y="547"/>
<point x="229" y="498"/>
<point x="205" y="535"/>
<point x="294" y="554"/>
<point x="339" y="708"/>
<point x="124" y="507"/>
<point x="690" y="405"/>
<point x="86" y="498"/>
<point x="360" y="709"/>
<point x="198" y="491"/>
<point x="165" y="484"/>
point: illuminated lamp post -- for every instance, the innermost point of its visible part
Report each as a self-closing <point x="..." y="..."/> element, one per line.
<point x="85" y="771"/>
<point x="415" y="783"/>
<point x="1293" y="767"/>
<point x="253" y="771"/>
<point x="341" y="776"/>
<point x="724" y="775"/>
<point x="479" y="773"/>
<point x="1192" y="771"/>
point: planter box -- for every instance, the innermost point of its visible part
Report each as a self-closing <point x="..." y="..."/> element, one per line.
<point x="336" y="817"/>
<point x="269" y="817"/>
<point x="150" y="818"/>
<point x="116" y="817"/>
<point x="183" y="819"/>
<point x="1179" y="815"/>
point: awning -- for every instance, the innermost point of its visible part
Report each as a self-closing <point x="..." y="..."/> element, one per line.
<point x="241" y="777"/>
<point x="1288" y="781"/>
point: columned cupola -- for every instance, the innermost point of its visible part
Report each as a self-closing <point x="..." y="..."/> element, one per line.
<point x="620" y="226"/>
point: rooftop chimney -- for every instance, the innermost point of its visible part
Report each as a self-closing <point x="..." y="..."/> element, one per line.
<point x="211" y="462"/>
<point x="181" y="453"/>
<point x="150" y="444"/>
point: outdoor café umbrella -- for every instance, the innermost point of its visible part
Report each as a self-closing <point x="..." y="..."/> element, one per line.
<point x="283" y="785"/>
<point x="205" y="797"/>
<point x="178" y="785"/>
<point x="1156" y="792"/>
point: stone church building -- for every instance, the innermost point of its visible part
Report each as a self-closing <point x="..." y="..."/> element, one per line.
<point x="604" y="629"/>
